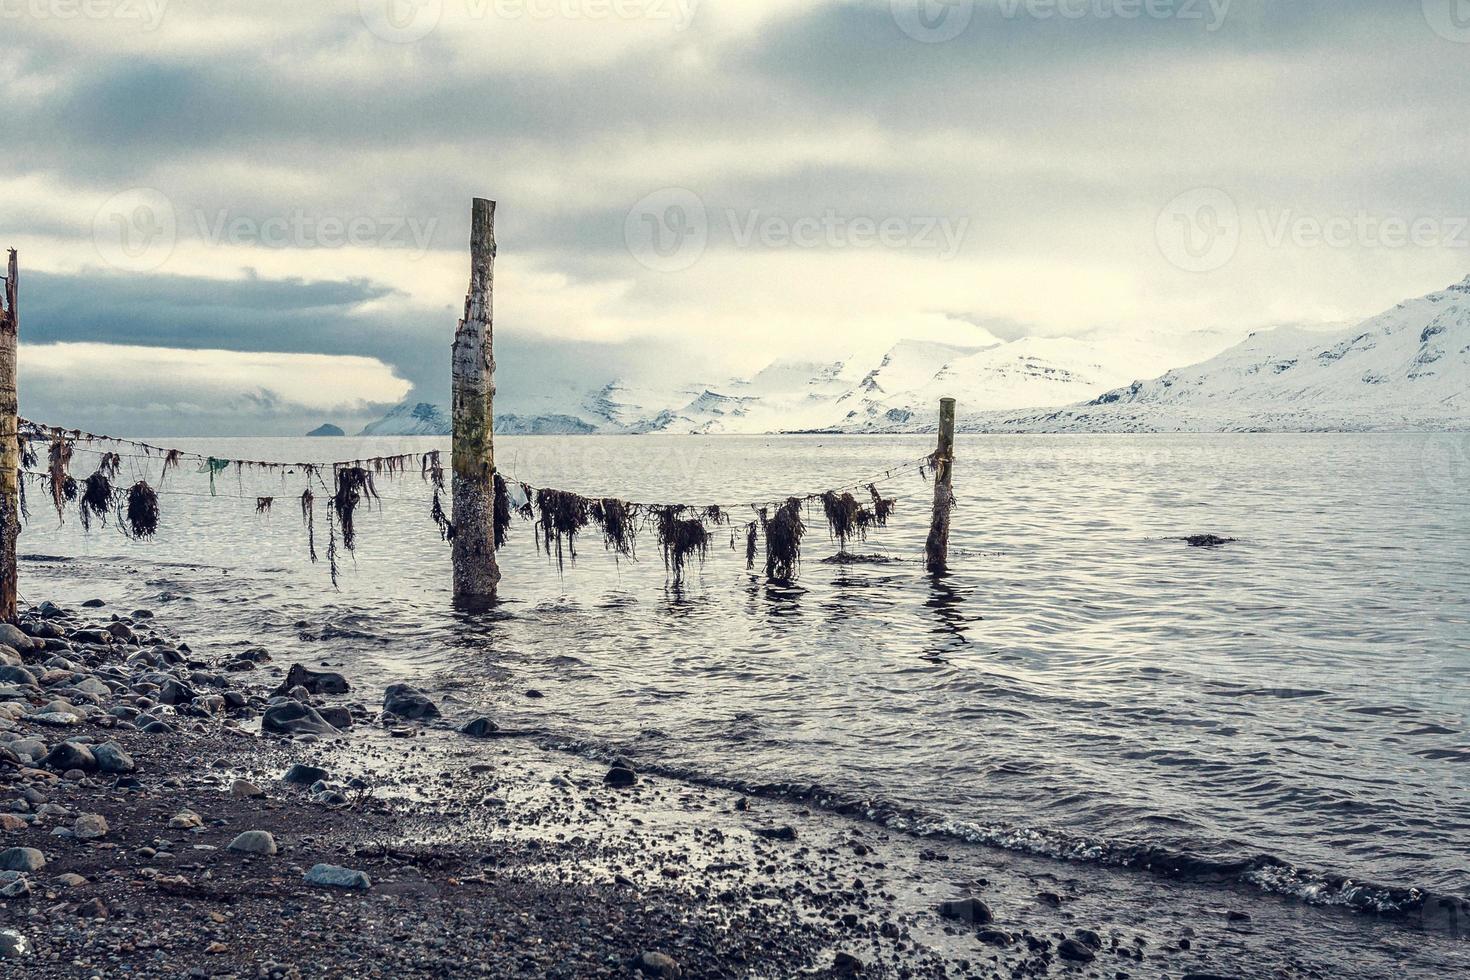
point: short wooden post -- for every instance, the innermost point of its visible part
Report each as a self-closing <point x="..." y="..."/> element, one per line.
<point x="936" y="549"/>
<point x="9" y="445"/>
<point x="476" y="574"/>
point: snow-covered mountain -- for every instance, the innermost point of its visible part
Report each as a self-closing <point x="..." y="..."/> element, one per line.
<point x="1408" y="368"/>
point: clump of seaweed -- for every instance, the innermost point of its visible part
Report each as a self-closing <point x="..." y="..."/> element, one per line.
<point x="714" y="515"/>
<point x="28" y="459"/>
<point x="139" y="519"/>
<point x="846" y="518"/>
<point x="783" y="540"/>
<point x="882" y="506"/>
<point x="618" y="520"/>
<point x="432" y="469"/>
<point x="109" y="464"/>
<point x="170" y="462"/>
<point x="308" y="517"/>
<point x="96" y="499"/>
<point x="750" y="533"/>
<point x="680" y="538"/>
<point x="501" y="515"/>
<point x="63" y="486"/>
<point x="562" y="515"/>
<point x="354" y="484"/>
<point x="529" y="494"/>
<point x="441" y="519"/>
<point x="263" y="504"/>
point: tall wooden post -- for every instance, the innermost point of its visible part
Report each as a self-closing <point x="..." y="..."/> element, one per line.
<point x="476" y="574"/>
<point x="936" y="549"/>
<point x="9" y="444"/>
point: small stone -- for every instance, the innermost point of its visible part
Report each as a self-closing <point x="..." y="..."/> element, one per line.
<point x="304" y="775"/>
<point x="21" y="859"/>
<point x="333" y="876"/>
<point x="69" y="880"/>
<point x="93" y="604"/>
<point x="314" y="681"/>
<point x="112" y="759"/>
<point x="69" y="755"/>
<point x="95" y="909"/>
<point x="1071" y="949"/>
<point x="967" y="910"/>
<point x="18" y="887"/>
<point x="479" y="728"/>
<point x="407" y="701"/>
<point x="618" y="776"/>
<point x="216" y="948"/>
<point x="185" y="820"/>
<point x="785" y="833"/>
<point x="254" y="842"/>
<point x="845" y="964"/>
<point x="244" y="789"/>
<point x="90" y="826"/>
<point x="294" y="718"/>
<point x="661" y="965"/>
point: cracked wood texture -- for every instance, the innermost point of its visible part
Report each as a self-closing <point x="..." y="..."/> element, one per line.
<point x="9" y="444"/>
<point x="476" y="573"/>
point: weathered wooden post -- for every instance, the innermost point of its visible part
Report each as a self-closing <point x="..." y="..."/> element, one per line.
<point x="476" y="574"/>
<point x="936" y="549"/>
<point x="9" y="445"/>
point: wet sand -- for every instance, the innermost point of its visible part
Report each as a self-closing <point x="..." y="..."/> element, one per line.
<point x="497" y="856"/>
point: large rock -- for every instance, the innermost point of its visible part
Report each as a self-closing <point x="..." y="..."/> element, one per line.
<point x="90" y="826"/>
<point x="294" y="718"/>
<point x="11" y="674"/>
<point x="967" y="910"/>
<point x="13" y="945"/>
<point x="111" y="758"/>
<point x="22" y="859"/>
<point x="407" y="701"/>
<point x="66" y="756"/>
<point x="304" y="775"/>
<point x="13" y="636"/>
<point x="332" y="876"/>
<point x="315" y="681"/>
<point x="254" y="842"/>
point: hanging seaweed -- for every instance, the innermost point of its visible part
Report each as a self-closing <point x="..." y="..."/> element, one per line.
<point x="714" y="515"/>
<point x="783" y="541"/>
<point x="432" y="470"/>
<point x="680" y="538"/>
<point x="354" y="484"/>
<point x="20" y="483"/>
<point x="562" y="515"/>
<point x="332" y="547"/>
<point x="882" y="506"/>
<point x="750" y="533"/>
<point x="846" y="518"/>
<point x="63" y="486"/>
<point x="308" y="517"/>
<point x="263" y="504"/>
<point x="440" y="519"/>
<point x="525" y="509"/>
<point x="139" y="516"/>
<point x="618" y="520"/>
<point x="500" y="517"/>
<point x="28" y="458"/>
<point x="96" y="499"/>
<point x="170" y="462"/>
<point x="109" y="464"/>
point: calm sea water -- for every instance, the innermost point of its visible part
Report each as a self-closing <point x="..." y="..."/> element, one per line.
<point x="1289" y="709"/>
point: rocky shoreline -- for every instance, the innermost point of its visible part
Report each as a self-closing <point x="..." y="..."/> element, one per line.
<point x="162" y="814"/>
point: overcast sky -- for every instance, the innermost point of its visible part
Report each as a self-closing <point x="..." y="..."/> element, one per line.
<point x="248" y="217"/>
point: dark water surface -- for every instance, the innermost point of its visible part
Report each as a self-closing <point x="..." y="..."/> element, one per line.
<point x="1289" y="709"/>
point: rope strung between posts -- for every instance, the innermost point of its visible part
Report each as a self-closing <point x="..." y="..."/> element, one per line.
<point x="683" y="531"/>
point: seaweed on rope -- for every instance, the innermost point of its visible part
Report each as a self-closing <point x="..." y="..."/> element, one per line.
<point x="354" y="485"/>
<point x="138" y="517"/>
<point x="170" y="462"/>
<point x="783" y="540"/>
<point x="680" y="538"/>
<point x="618" y="520"/>
<point x="882" y="506"/>
<point x="431" y="469"/>
<point x="308" y="517"/>
<point x="63" y="486"/>
<point x="96" y="499"/>
<point x="263" y="504"/>
<point x="500" y="516"/>
<point x="561" y="515"/>
<point x="846" y="518"/>
<point x="750" y="536"/>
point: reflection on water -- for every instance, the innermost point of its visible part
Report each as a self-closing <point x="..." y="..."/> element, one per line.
<point x="1080" y="675"/>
